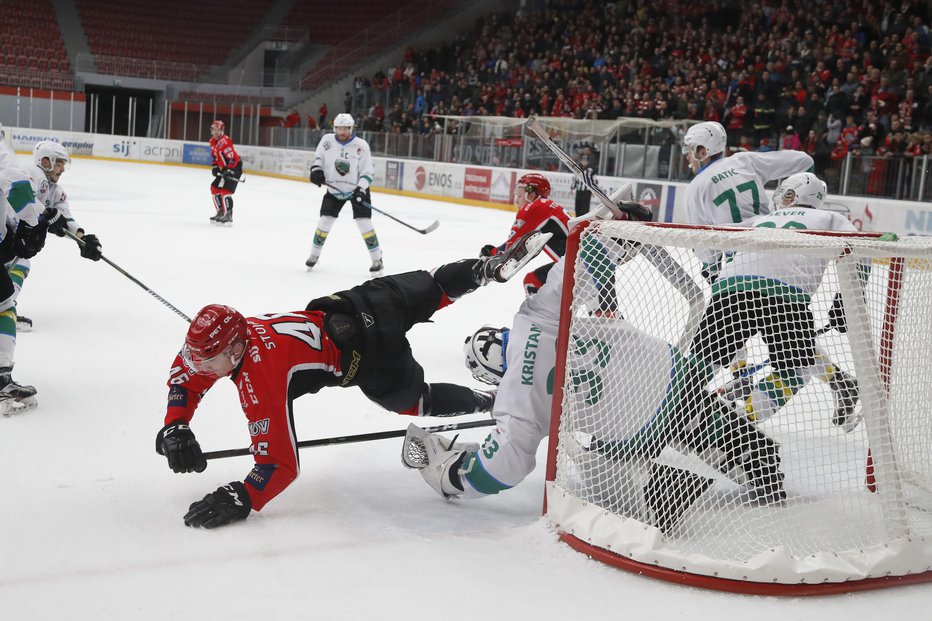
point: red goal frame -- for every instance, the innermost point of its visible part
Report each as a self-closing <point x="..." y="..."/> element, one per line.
<point x="698" y="580"/>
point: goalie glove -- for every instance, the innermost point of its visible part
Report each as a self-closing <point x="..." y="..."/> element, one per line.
<point x="177" y="443"/>
<point x="836" y="315"/>
<point x="230" y="503"/>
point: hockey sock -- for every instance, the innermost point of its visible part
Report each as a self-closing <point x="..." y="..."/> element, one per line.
<point x="320" y="235"/>
<point x="457" y="279"/>
<point x="368" y="235"/>
<point x="771" y="394"/>
<point x="453" y="400"/>
<point x="228" y="205"/>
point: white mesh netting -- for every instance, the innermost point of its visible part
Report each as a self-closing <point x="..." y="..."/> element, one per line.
<point x="726" y="429"/>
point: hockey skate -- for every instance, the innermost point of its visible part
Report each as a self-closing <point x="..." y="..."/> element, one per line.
<point x="23" y="323"/>
<point x="503" y="266"/>
<point x="226" y="219"/>
<point x="375" y="270"/>
<point x="845" y="390"/>
<point x="15" y="398"/>
<point x="310" y="263"/>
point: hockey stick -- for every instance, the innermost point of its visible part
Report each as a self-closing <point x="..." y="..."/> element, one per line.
<point x="430" y="227"/>
<point x="534" y="126"/>
<point x="363" y="437"/>
<point x="240" y="179"/>
<point x="125" y="273"/>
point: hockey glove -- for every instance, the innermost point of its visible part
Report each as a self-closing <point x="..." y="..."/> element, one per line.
<point x="215" y="171"/>
<point x="359" y="196"/>
<point x="317" y="177"/>
<point x="176" y="441"/>
<point x="29" y="240"/>
<point x="488" y="250"/>
<point x="836" y="315"/>
<point x="636" y="211"/>
<point x="57" y="222"/>
<point x="91" y="248"/>
<point x="229" y="503"/>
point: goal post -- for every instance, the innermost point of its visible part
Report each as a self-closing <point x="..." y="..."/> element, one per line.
<point x="769" y="449"/>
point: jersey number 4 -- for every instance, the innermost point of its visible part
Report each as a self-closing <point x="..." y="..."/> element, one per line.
<point x="304" y="330"/>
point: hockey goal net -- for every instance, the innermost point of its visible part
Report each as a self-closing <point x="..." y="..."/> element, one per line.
<point x="766" y="433"/>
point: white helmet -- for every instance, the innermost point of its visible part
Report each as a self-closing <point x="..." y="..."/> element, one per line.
<point x="51" y="150"/>
<point x="485" y="353"/>
<point x="803" y="189"/>
<point x="708" y="134"/>
<point x="343" y="120"/>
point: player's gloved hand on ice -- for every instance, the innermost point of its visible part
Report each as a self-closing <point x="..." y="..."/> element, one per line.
<point x="176" y="441"/>
<point x="836" y="315"/>
<point x="215" y="171"/>
<point x="359" y="196"/>
<point x="230" y="503"/>
<point x="29" y="240"/>
<point x="317" y="177"/>
<point x="488" y="250"/>
<point x="91" y="248"/>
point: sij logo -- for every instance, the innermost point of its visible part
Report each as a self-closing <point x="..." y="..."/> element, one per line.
<point x="122" y="148"/>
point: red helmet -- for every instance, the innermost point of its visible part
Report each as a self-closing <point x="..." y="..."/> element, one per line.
<point x="218" y="123"/>
<point x="215" y="329"/>
<point x="537" y="182"/>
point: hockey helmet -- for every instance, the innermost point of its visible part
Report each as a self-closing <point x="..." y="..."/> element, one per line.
<point x="709" y="134"/>
<point x="485" y="353"/>
<point x="216" y="340"/>
<point x="51" y="150"/>
<point x="536" y="182"/>
<point x="344" y="120"/>
<point x="218" y="124"/>
<point x="802" y="189"/>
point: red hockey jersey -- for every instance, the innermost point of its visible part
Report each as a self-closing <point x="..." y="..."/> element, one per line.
<point x="225" y="155"/>
<point x="287" y="355"/>
<point x="543" y="215"/>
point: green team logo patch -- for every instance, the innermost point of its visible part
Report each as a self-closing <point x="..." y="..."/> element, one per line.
<point x="342" y="166"/>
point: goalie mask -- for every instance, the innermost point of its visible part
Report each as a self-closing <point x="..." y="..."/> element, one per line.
<point x="55" y="154"/>
<point x="802" y="189"/>
<point x="485" y="354"/>
<point x="216" y="341"/>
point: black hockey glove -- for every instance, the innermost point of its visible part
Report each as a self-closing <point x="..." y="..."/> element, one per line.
<point x="29" y="240"/>
<point x="488" y="250"/>
<point x="57" y="222"/>
<point x="317" y="177"/>
<point x="229" y="503"/>
<point x="636" y="211"/>
<point x="6" y="246"/>
<point x="359" y="196"/>
<point x="836" y="315"/>
<point x="215" y="171"/>
<point x="91" y="248"/>
<point x="176" y="441"/>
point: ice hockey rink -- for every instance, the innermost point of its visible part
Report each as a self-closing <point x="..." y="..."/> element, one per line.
<point x="92" y="516"/>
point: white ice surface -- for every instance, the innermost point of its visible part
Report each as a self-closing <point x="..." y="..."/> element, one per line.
<point x="90" y="516"/>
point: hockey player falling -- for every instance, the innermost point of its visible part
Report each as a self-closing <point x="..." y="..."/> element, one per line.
<point x="677" y="412"/>
<point x="227" y="171"/>
<point x="352" y="338"/>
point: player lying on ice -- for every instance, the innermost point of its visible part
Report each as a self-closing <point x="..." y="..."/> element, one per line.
<point x="677" y="412"/>
<point x="352" y="338"/>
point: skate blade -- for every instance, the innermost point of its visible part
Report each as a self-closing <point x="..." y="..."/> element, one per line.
<point x="11" y="407"/>
<point x="23" y="327"/>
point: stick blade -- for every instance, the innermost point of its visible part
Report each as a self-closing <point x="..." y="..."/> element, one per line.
<point x="431" y="227"/>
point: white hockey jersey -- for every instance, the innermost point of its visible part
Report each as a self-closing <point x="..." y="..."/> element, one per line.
<point x="346" y="166"/>
<point x="730" y="190"/>
<point x="50" y="194"/>
<point x="783" y="272"/>
<point x="18" y="187"/>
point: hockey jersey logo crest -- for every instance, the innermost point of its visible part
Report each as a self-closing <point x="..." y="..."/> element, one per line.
<point x="367" y="319"/>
